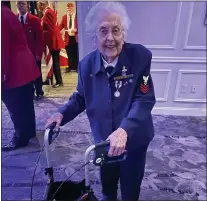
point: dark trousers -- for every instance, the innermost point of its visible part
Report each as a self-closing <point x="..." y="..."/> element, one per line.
<point x="130" y="172"/>
<point x="56" y="66"/>
<point x="19" y="102"/>
<point x="38" y="81"/>
<point x="72" y="53"/>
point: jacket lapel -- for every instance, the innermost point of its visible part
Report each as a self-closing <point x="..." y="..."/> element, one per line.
<point x="27" y="19"/>
<point x="98" y="67"/>
<point x="123" y="61"/>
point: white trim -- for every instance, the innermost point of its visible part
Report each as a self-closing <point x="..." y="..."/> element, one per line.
<point x="189" y="100"/>
<point x="179" y="111"/>
<point x="186" y="46"/>
<point x="178" y="59"/>
<point x="167" y="84"/>
<point x="176" y="96"/>
<point x="175" y="34"/>
<point x="160" y="47"/>
<point x="80" y="29"/>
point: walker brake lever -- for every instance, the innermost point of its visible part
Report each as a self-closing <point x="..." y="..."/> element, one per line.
<point x="101" y="155"/>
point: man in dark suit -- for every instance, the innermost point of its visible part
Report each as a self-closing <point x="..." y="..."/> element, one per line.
<point x="34" y="35"/>
<point x="52" y="38"/>
<point x="18" y="72"/>
<point x="116" y="89"/>
<point x="69" y="24"/>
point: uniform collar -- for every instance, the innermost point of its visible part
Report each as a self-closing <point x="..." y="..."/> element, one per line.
<point x="105" y="63"/>
<point x="123" y="60"/>
<point x="73" y="15"/>
<point x="24" y="16"/>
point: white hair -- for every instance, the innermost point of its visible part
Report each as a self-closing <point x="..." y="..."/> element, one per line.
<point x="96" y="12"/>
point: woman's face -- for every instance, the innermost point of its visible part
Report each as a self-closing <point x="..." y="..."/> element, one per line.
<point x="110" y="36"/>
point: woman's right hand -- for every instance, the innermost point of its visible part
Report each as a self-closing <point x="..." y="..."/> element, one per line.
<point x="57" y="118"/>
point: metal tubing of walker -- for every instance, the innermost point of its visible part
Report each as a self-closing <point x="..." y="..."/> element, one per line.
<point x="46" y="142"/>
<point x="87" y="155"/>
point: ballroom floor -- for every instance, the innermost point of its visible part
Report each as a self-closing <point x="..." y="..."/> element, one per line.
<point x="176" y="160"/>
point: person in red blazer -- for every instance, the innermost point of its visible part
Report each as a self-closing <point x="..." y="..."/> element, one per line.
<point x="34" y="35"/>
<point x="52" y="38"/>
<point x="69" y="24"/>
<point x="19" y="70"/>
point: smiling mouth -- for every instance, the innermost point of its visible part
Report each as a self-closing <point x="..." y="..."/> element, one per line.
<point x="110" y="47"/>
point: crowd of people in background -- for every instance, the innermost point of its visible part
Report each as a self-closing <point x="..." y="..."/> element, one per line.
<point x="43" y="31"/>
<point x="25" y="38"/>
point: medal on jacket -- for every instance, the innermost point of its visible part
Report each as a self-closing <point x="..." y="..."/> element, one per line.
<point x="118" y="85"/>
<point x="124" y="70"/>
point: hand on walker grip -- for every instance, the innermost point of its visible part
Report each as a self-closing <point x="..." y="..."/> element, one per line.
<point x="118" y="140"/>
<point x="57" y="118"/>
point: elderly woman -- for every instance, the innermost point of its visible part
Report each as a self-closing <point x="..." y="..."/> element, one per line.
<point x="116" y="89"/>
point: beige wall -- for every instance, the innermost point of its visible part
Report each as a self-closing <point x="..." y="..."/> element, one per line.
<point x="62" y="9"/>
<point x="14" y="7"/>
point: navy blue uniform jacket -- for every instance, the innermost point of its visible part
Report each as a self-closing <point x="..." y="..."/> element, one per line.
<point x="95" y="93"/>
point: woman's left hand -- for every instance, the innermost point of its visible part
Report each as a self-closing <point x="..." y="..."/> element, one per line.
<point x="118" y="140"/>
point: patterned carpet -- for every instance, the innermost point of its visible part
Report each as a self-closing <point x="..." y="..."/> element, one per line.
<point x="176" y="159"/>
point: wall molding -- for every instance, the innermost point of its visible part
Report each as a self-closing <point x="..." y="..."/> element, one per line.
<point x="175" y="33"/>
<point x="186" y="100"/>
<point x="179" y="60"/>
<point x="186" y="46"/>
<point x="167" y="84"/>
<point x="179" y="111"/>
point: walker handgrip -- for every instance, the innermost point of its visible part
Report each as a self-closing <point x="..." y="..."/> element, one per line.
<point x="102" y="144"/>
<point x="115" y="159"/>
<point x="51" y="134"/>
<point x="51" y="126"/>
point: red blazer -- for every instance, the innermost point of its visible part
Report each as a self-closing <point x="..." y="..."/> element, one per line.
<point x="34" y="34"/>
<point x="64" y="25"/>
<point x="18" y="64"/>
<point x="52" y="36"/>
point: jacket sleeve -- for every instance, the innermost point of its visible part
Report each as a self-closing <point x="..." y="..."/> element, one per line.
<point x="76" y="24"/>
<point x="61" y="26"/>
<point x="142" y="103"/>
<point x="40" y="39"/>
<point x="49" y="21"/>
<point x="6" y="47"/>
<point x="75" y="104"/>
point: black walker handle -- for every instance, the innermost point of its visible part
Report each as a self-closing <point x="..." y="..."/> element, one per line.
<point x="49" y="136"/>
<point x="52" y="134"/>
<point x="52" y="126"/>
<point x="101" y="154"/>
<point x="102" y="144"/>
